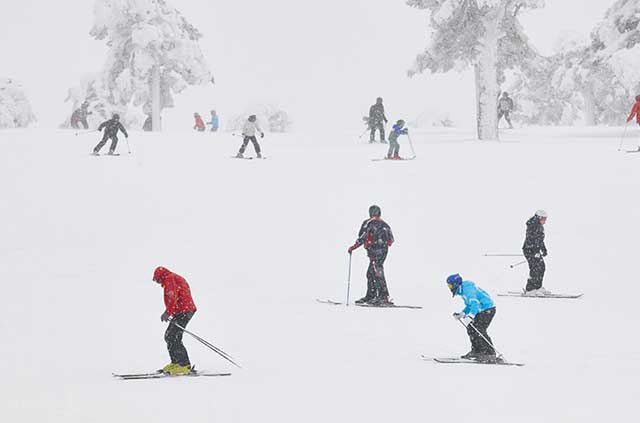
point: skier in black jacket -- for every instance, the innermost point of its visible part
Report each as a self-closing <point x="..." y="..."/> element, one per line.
<point x="534" y="250"/>
<point x="111" y="131"/>
<point x="376" y="236"/>
<point x="376" y="117"/>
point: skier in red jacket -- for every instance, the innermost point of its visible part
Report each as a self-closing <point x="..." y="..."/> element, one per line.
<point x="199" y="126"/>
<point x="179" y="310"/>
<point x="635" y="112"/>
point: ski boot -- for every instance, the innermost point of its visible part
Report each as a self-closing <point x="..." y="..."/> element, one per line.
<point x="111" y="153"/>
<point x="471" y="355"/>
<point x="168" y="367"/>
<point x="179" y="370"/>
<point x="95" y="153"/>
<point x="397" y="157"/>
<point x="543" y="292"/>
<point x="487" y="358"/>
<point x="239" y="156"/>
<point x="259" y="156"/>
<point x="389" y="157"/>
<point x="363" y="300"/>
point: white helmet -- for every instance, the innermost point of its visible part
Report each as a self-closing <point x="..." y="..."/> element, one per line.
<point x="541" y="213"/>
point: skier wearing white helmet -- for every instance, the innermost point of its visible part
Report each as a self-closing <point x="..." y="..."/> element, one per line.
<point x="534" y="250"/>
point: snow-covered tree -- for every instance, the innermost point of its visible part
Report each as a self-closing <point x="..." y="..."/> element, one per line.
<point x="153" y="54"/>
<point x="485" y="34"/>
<point x="15" y="109"/>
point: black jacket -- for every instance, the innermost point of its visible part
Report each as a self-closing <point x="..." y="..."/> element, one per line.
<point x="534" y="239"/>
<point x="112" y="126"/>
<point x="376" y="114"/>
<point x="375" y="234"/>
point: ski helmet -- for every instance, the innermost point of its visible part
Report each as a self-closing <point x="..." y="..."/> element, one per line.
<point x="541" y="213"/>
<point x="400" y="122"/>
<point x="379" y="100"/>
<point x="252" y="118"/>
<point x="374" y="211"/>
<point x="453" y="282"/>
<point x="116" y="116"/>
<point x="505" y="94"/>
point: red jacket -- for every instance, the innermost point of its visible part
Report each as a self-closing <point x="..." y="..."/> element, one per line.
<point x="199" y="123"/>
<point x="635" y="111"/>
<point x="177" y="294"/>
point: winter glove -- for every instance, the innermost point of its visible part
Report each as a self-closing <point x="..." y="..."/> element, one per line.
<point x="261" y="134"/>
<point x="350" y="249"/>
<point x="544" y="253"/>
<point x="165" y="317"/>
<point x="464" y="318"/>
<point x="537" y="255"/>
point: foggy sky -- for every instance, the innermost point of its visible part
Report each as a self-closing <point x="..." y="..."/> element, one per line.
<point x="322" y="61"/>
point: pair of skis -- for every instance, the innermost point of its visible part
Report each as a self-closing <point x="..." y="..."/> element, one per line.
<point x="459" y="360"/>
<point x="159" y="374"/>
<point x="394" y="160"/>
<point x="521" y="294"/>
<point x="248" y="158"/>
<point x="369" y="305"/>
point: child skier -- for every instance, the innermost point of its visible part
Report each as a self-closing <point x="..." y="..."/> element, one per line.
<point x="534" y="250"/>
<point x="199" y="126"/>
<point x="394" y="148"/>
<point x="635" y="112"/>
<point x="376" y="236"/>
<point x="180" y="308"/>
<point x="476" y="316"/>
<point x="111" y="128"/>
<point x="249" y="133"/>
<point x="215" y="121"/>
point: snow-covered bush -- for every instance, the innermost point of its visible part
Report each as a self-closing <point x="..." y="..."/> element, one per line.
<point x="15" y="109"/>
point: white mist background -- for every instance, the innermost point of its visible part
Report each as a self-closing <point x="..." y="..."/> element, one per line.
<point x="323" y="62"/>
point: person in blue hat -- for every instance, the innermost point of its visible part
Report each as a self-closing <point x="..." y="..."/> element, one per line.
<point x="476" y="316"/>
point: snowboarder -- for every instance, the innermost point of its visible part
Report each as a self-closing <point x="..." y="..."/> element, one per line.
<point x="199" y="126"/>
<point x="215" y="121"/>
<point x="179" y="308"/>
<point x="376" y="119"/>
<point x="376" y="236"/>
<point x="249" y="133"/>
<point x="476" y="316"/>
<point x="635" y="112"/>
<point x="110" y="132"/>
<point x="505" y="107"/>
<point x="534" y="250"/>
<point x="394" y="148"/>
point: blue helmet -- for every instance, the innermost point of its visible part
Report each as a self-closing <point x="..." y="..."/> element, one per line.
<point x="453" y="282"/>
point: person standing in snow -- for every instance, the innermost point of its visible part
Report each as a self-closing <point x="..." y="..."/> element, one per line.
<point x="505" y="107"/>
<point x="394" y="147"/>
<point x="80" y="116"/>
<point x="635" y="112"/>
<point x="199" y="126"/>
<point x="534" y="250"/>
<point x="179" y="309"/>
<point x="215" y="121"/>
<point x="249" y="134"/>
<point x="111" y="128"/>
<point x="376" y="236"/>
<point x="376" y="119"/>
<point x="476" y="317"/>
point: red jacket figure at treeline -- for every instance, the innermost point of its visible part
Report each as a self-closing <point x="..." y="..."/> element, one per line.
<point x="635" y="111"/>
<point x="199" y="122"/>
<point x="179" y="309"/>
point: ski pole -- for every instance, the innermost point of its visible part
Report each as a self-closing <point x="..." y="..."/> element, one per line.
<point x="365" y="131"/>
<point x="128" y="146"/>
<point x="85" y="132"/>
<point x="349" y="280"/>
<point x="209" y="345"/>
<point x="411" y="145"/>
<point x="517" y="264"/>
<point x="501" y="255"/>
<point x="498" y="354"/>
<point x="624" y="134"/>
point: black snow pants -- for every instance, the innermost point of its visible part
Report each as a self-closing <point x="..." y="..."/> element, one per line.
<point x="376" y="282"/>
<point x="536" y="272"/>
<point x="173" y="338"/>
<point x="380" y="127"/>
<point x="253" y="140"/>
<point x="481" y="322"/>
<point x="394" y="147"/>
<point x="114" y="143"/>
<point x="505" y="113"/>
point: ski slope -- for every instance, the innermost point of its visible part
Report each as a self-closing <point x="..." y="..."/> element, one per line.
<point x="260" y="240"/>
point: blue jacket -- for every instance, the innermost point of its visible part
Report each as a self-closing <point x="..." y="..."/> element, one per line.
<point x="396" y="131"/>
<point x="475" y="298"/>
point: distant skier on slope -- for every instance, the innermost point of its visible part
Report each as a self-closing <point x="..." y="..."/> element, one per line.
<point x="534" y="249"/>
<point x="199" y="125"/>
<point x="476" y="316"/>
<point x="179" y="308"/>
<point x="112" y="126"/>
<point x="215" y="121"/>
<point x="505" y="107"/>
<point x="635" y="112"/>
<point x="376" y="236"/>
<point x="376" y="119"/>
<point x="80" y="116"/>
<point x="394" y="147"/>
<point x="249" y="133"/>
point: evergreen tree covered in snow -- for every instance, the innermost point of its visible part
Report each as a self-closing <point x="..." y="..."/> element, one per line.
<point x="483" y="33"/>
<point x="153" y="54"/>
<point x="15" y="109"/>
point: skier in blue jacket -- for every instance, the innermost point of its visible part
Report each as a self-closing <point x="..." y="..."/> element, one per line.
<point x="394" y="147"/>
<point x="476" y="316"/>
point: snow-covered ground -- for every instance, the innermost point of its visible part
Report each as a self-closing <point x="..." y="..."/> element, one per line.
<point x="259" y="241"/>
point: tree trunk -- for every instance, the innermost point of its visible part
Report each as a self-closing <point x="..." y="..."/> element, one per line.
<point x="486" y="75"/>
<point x="589" y="107"/>
<point x="155" y="100"/>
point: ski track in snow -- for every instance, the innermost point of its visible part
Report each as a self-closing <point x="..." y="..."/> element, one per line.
<point x="260" y="240"/>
